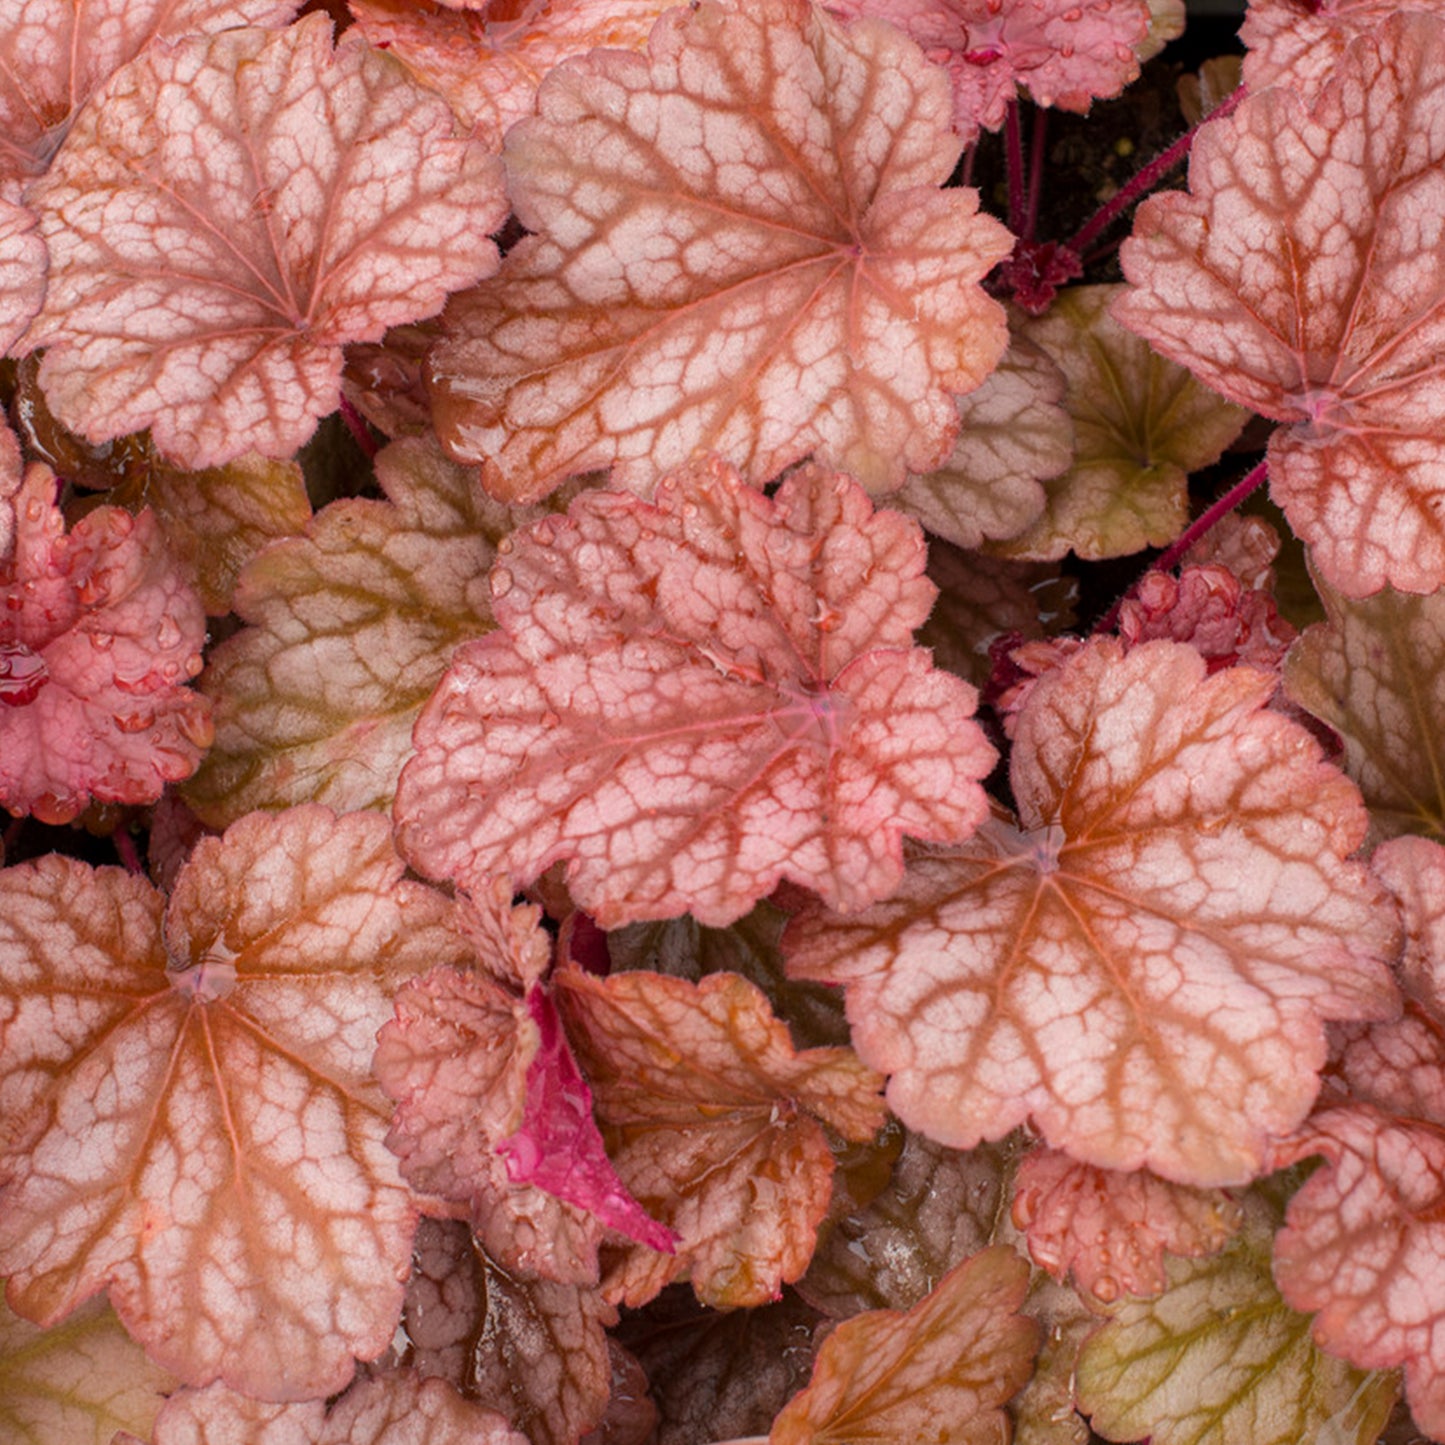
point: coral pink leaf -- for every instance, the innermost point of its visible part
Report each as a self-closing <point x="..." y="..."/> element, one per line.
<point x="1303" y="277"/>
<point x="1112" y="1230"/>
<point x="1063" y="53"/>
<point x="771" y="272"/>
<point x="691" y="700"/>
<point x="1363" y="1235"/>
<point x="940" y="1371"/>
<point x="203" y="279"/>
<point x="558" y="1147"/>
<point x="457" y="1059"/>
<point x="397" y="1408"/>
<point x="1176" y="905"/>
<point x="23" y="265"/>
<point x="99" y="632"/>
<point x="1362" y="1243"/>
<point x="488" y="68"/>
<point x="714" y="1122"/>
<point x="55" y="53"/>
<point x="1298" y="43"/>
<point x="188" y="1114"/>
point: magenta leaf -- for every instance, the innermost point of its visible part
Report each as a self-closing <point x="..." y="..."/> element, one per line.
<point x="187" y="1113"/>
<point x="692" y="699"/>
<point x="558" y="1146"/>
<point x="203" y="280"/>
<point x="99" y="633"/>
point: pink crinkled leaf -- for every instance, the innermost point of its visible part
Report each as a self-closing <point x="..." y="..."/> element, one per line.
<point x="1111" y="1230"/>
<point x="203" y="279"/>
<point x="1298" y="43"/>
<point x="99" y="632"/>
<point x="1144" y="966"/>
<point x="489" y="65"/>
<point x="771" y="272"/>
<point x="1302" y="277"/>
<point x="1213" y="611"/>
<point x="714" y="1122"/>
<point x="1363" y="1237"/>
<point x="693" y="699"/>
<point x="558" y="1147"/>
<point x="1064" y="53"/>
<point x="54" y="54"/>
<point x="23" y="264"/>
<point x="456" y="1059"/>
<point x="395" y="1408"/>
<point x="187" y="1114"/>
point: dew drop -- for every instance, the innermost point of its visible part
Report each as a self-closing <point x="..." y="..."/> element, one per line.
<point x="168" y="634"/>
<point x="102" y="641"/>
<point x="34" y="509"/>
<point x="22" y="674"/>
<point x="501" y="581"/>
<point x="1106" y="1289"/>
<point x="550" y="720"/>
<point x="134" y="722"/>
<point x="545" y="531"/>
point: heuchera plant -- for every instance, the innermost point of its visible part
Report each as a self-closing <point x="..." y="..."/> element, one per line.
<point x="710" y="883"/>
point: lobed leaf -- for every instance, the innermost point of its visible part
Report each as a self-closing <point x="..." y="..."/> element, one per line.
<point x="1220" y="1356"/>
<point x="489" y="68"/>
<point x="189" y="1116"/>
<point x="1299" y="44"/>
<point x="216" y="521"/>
<point x="740" y="246"/>
<point x="1014" y="433"/>
<point x="78" y="1382"/>
<point x="939" y="1371"/>
<point x="535" y="1350"/>
<point x="714" y="1123"/>
<point x="1375" y="672"/>
<point x="226" y="216"/>
<point x="1141" y="424"/>
<point x="23" y="266"/>
<point x="55" y="54"/>
<point x="458" y="1058"/>
<point x="1063" y="53"/>
<point x="1364" y="1233"/>
<point x="99" y="633"/>
<point x="939" y="1206"/>
<point x="690" y="700"/>
<point x="1112" y="1230"/>
<point x="1145" y="965"/>
<point x="350" y="629"/>
<point x="1302" y="277"/>
<point x="389" y="1409"/>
